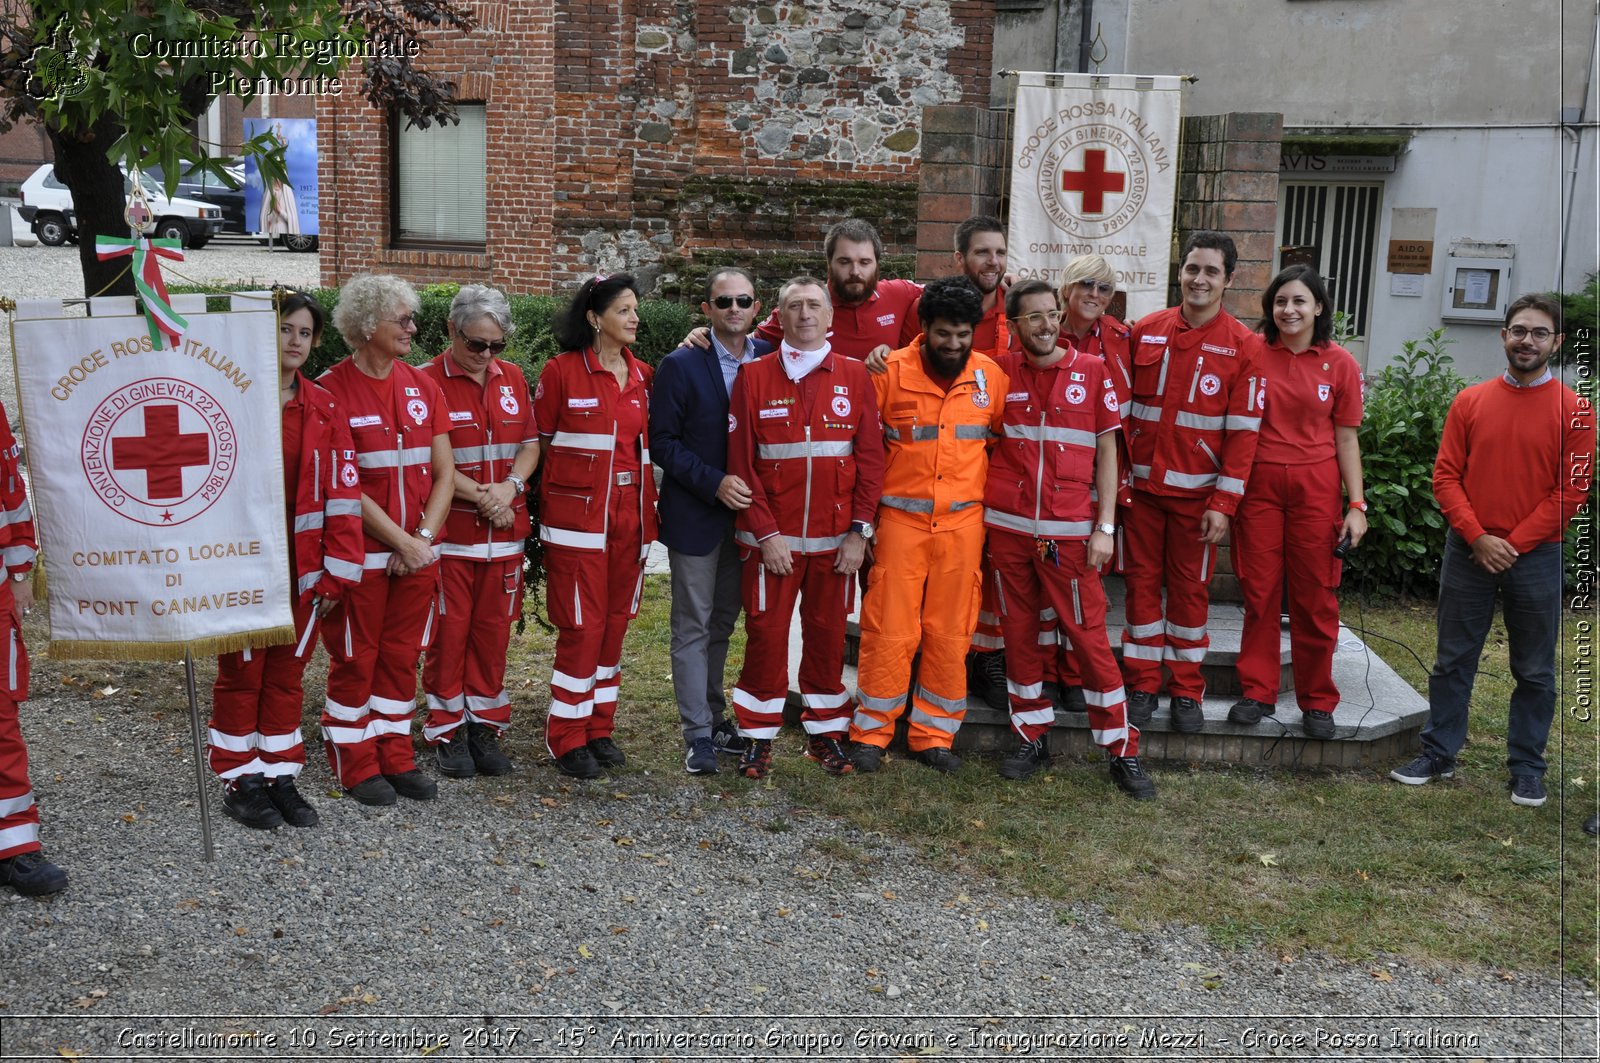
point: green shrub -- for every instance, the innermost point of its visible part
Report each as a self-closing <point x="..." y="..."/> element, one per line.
<point x="1581" y="321"/>
<point x="1406" y="405"/>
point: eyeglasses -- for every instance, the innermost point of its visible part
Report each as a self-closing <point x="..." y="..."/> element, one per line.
<point x="403" y="321"/>
<point x="479" y="346"/>
<point x="1100" y="287"/>
<point x="1517" y="332"/>
<point x="727" y="302"/>
<point x="1033" y="320"/>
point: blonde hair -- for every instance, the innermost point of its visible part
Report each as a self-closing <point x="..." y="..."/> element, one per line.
<point x="1086" y="268"/>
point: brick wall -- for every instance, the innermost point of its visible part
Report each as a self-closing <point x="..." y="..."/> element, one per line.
<point x="665" y="136"/>
<point x="964" y="169"/>
<point x="1228" y="181"/>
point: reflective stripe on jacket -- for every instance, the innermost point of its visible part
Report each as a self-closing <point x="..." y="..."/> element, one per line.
<point x="328" y="545"/>
<point x="489" y="424"/>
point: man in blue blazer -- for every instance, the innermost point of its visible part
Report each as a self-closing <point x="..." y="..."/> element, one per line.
<point x="689" y="440"/>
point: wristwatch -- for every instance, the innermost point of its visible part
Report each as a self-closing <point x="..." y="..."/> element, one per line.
<point x="518" y="482"/>
<point x="1360" y="504"/>
<point x="862" y="528"/>
<point x="20" y="577"/>
<point x="424" y="533"/>
<point x="1108" y="529"/>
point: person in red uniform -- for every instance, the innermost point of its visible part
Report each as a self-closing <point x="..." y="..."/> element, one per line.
<point x="496" y="448"/>
<point x="256" y="703"/>
<point x="1292" y="518"/>
<point x="1192" y="428"/>
<point x="597" y="513"/>
<point x="1048" y="538"/>
<point x="980" y="256"/>
<point x="23" y="866"/>
<point x="401" y="429"/>
<point x="804" y="435"/>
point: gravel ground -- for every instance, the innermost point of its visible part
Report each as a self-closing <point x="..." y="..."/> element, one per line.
<point x="638" y="917"/>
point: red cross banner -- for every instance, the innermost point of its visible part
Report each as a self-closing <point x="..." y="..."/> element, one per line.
<point x="1094" y="170"/>
<point x="157" y="538"/>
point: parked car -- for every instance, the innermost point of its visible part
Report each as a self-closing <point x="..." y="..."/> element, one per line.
<point x="47" y="208"/>
<point x="203" y="186"/>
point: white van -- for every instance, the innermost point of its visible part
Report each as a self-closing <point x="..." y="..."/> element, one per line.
<point x="47" y="209"/>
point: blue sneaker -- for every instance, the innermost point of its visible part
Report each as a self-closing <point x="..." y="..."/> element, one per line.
<point x="1527" y="790"/>
<point x="1424" y="769"/>
<point x="701" y="759"/>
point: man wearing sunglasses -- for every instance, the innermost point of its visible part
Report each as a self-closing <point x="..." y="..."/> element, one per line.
<point x="1514" y="466"/>
<point x="699" y="497"/>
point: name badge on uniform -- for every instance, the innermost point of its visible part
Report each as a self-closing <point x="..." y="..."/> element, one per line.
<point x="583" y="404"/>
<point x="460" y="415"/>
<point x="774" y="411"/>
<point x="365" y="422"/>
<point x="1016" y="396"/>
<point x="1226" y="352"/>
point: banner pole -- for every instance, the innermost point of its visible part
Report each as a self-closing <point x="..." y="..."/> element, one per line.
<point x="199" y="756"/>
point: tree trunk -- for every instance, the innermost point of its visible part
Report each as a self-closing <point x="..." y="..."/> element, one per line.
<point x="98" y="200"/>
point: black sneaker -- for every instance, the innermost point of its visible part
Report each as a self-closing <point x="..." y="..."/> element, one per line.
<point x="826" y="751"/>
<point x="1130" y="778"/>
<point x="483" y="742"/>
<point x="701" y="758"/>
<point x="413" y="785"/>
<point x="295" y="810"/>
<point x="939" y="759"/>
<point x="1592" y="824"/>
<point x="1028" y="758"/>
<point x="246" y="800"/>
<point x="1186" y="715"/>
<point x="986" y="679"/>
<point x="579" y="763"/>
<point x="867" y="757"/>
<point x="1075" y="701"/>
<point x="1249" y="711"/>
<point x="1141" y="707"/>
<point x="31" y="875"/>
<point x="1527" y="790"/>
<point x="606" y="754"/>
<point x="727" y="740"/>
<point x="455" y="759"/>
<point x="1424" y="769"/>
<point x="1317" y="724"/>
<point x="375" y="791"/>
<point x="756" y="762"/>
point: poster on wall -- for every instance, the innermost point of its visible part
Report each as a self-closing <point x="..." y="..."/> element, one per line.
<point x="283" y="209"/>
<point x="1094" y="170"/>
<point x="157" y="479"/>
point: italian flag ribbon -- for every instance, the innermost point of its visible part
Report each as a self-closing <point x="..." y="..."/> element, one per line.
<point x="147" y="254"/>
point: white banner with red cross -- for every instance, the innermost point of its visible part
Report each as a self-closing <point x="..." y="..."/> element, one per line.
<point x="157" y="476"/>
<point x="1094" y="170"/>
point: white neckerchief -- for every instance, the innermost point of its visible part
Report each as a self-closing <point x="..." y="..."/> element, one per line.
<point x="796" y="364"/>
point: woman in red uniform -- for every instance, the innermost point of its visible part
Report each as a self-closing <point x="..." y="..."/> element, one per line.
<point x="256" y="747"/>
<point x="496" y="449"/>
<point x="597" y="513"/>
<point x="1292" y="518"/>
<point x="401" y="429"/>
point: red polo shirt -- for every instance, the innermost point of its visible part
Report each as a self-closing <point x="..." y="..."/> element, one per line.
<point x="1307" y="395"/>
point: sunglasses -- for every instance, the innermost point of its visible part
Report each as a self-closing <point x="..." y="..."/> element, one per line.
<point x="1101" y="287"/>
<point x="727" y="302"/>
<point x="479" y="346"/>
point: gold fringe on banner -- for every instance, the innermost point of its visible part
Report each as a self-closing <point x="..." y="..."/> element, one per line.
<point x="86" y="650"/>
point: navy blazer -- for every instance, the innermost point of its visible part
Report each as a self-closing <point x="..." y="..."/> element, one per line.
<point x="689" y="440"/>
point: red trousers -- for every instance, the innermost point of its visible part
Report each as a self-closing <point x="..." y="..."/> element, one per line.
<point x="921" y="594"/>
<point x="464" y="675"/>
<point x="256" y="705"/>
<point x="1030" y="581"/>
<point x="1289" y="520"/>
<point x="986" y="634"/>
<point x="1164" y="549"/>
<point x="374" y="638"/>
<point x="590" y="597"/>
<point x="19" y="814"/>
<point x="826" y="600"/>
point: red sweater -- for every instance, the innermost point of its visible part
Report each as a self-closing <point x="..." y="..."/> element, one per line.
<point x="1514" y="462"/>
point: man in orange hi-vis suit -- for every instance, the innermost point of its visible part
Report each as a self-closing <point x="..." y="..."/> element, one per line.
<point x="941" y="404"/>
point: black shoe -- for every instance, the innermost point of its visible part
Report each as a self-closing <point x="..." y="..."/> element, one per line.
<point x="1527" y="790"/>
<point x="987" y="679"/>
<point x="606" y="754"/>
<point x="1249" y="711"/>
<point x="31" y="875"/>
<point x="1130" y="778"/>
<point x="866" y="757"/>
<point x="296" y="811"/>
<point x="483" y="742"/>
<point x="579" y="763"/>
<point x="939" y="759"/>
<point x="1186" y="715"/>
<point x="246" y="800"/>
<point x="455" y="759"/>
<point x="413" y="785"/>
<point x="1028" y="758"/>
<point x="1592" y="824"/>
<point x="1141" y="707"/>
<point x="726" y="739"/>
<point x="375" y="791"/>
<point x="1075" y="701"/>
<point x="1424" y="769"/>
<point x="1317" y="724"/>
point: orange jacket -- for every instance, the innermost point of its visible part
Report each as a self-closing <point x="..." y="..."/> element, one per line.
<point x="937" y="442"/>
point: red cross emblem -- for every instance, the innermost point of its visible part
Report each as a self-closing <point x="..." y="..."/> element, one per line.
<point x="1094" y="181"/>
<point x="162" y="453"/>
<point x="159" y="451"/>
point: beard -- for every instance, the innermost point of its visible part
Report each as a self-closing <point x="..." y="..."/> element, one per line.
<point x="948" y="366"/>
<point x="853" y="293"/>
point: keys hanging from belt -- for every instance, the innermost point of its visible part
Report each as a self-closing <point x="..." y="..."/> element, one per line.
<point x="1047" y="550"/>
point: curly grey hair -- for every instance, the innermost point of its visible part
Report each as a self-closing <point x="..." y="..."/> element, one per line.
<point x="368" y="299"/>
<point x="477" y="301"/>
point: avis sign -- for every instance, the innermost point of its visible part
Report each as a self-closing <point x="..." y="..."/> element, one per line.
<point x="1094" y="171"/>
<point x="157" y="536"/>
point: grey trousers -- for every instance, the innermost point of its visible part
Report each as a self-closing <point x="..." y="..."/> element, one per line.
<point x="705" y="606"/>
